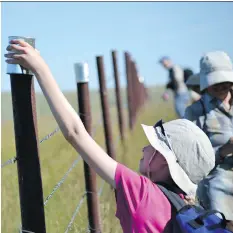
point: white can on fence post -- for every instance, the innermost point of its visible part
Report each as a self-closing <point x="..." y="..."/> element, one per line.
<point x="81" y="70"/>
<point x="15" y="68"/>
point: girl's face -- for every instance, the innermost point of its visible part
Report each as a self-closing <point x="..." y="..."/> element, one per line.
<point x="153" y="165"/>
<point x="220" y="91"/>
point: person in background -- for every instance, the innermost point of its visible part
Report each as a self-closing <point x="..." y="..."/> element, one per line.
<point x="213" y="113"/>
<point x="177" y="85"/>
<point x="193" y="84"/>
<point x="178" y="154"/>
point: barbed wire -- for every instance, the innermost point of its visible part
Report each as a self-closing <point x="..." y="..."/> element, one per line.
<point x="8" y="162"/>
<point x="101" y="188"/>
<point x="58" y="185"/>
<point x="26" y="231"/>
<point x="75" y="212"/>
<point x="60" y="182"/>
<point x="14" y="159"/>
<point x="49" y="135"/>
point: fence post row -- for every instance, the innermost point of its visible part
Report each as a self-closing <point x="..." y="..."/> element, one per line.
<point x="82" y="78"/>
<point x="28" y="164"/>
<point x="118" y="96"/>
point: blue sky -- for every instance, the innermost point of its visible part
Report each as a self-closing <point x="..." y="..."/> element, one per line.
<point x="69" y="32"/>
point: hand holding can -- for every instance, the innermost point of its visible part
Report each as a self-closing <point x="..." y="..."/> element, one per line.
<point x="16" y="68"/>
<point x="23" y="58"/>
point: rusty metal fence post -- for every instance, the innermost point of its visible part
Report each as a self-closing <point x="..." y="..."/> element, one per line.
<point x="118" y="96"/>
<point x="135" y="90"/>
<point x="130" y="100"/>
<point x="105" y="108"/>
<point x="82" y="78"/>
<point x="28" y="163"/>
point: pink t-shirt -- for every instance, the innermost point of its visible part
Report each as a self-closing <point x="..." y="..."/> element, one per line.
<point x="141" y="205"/>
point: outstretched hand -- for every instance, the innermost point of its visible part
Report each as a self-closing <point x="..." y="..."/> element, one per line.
<point x="22" y="53"/>
<point x="165" y="96"/>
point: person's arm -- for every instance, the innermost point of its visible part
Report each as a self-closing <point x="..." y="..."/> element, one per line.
<point x="66" y="117"/>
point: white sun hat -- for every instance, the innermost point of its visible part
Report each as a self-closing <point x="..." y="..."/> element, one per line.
<point x="187" y="150"/>
<point x="215" y="67"/>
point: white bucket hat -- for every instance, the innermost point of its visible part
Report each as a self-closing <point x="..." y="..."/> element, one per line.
<point x="215" y="67"/>
<point x="187" y="150"/>
<point x="193" y="80"/>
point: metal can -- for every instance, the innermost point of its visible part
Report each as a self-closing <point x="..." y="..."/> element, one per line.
<point x="15" y="68"/>
<point x="81" y="72"/>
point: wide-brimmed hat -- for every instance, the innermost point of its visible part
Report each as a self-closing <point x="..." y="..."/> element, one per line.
<point x="215" y="67"/>
<point x="187" y="150"/>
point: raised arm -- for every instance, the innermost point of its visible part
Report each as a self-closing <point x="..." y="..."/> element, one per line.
<point x="66" y="117"/>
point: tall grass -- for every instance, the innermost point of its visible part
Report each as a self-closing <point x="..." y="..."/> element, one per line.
<point x="56" y="156"/>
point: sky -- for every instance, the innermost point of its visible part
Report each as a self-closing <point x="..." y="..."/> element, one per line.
<point x="70" y="32"/>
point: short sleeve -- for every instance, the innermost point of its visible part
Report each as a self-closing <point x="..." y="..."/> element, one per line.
<point x="130" y="188"/>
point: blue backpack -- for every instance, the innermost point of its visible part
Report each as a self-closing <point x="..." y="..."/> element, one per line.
<point x="194" y="219"/>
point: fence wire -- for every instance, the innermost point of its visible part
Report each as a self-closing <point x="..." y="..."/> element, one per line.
<point x="49" y="135"/>
<point x="75" y="213"/>
<point x="8" y="162"/>
<point x="58" y="185"/>
<point x="26" y="231"/>
<point x="101" y="188"/>
<point x="14" y="159"/>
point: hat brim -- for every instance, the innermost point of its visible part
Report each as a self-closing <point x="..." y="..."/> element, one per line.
<point x="193" y="80"/>
<point x="177" y="173"/>
<point x="216" y="77"/>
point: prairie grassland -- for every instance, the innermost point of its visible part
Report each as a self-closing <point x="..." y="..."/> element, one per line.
<point x="56" y="156"/>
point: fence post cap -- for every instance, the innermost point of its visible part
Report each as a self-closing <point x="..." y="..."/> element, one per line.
<point x="141" y="79"/>
<point x="81" y="72"/>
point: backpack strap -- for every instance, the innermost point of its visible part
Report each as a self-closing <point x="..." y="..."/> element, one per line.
<point x="204" y="127"/>
<point x="174" y="198"/>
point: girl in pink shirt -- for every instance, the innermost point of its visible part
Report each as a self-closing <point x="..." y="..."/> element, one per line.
<point x="179" y="154"/>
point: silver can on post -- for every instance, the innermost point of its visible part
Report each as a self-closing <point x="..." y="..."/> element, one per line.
<point x="81" y="72"/>
<point x="15" y="68"/>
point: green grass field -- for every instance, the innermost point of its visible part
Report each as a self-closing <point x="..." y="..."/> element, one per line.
<point x="56" y="156"/>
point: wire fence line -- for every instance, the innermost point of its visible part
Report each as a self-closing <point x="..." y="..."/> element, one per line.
<point x="26" y="231"/>
<point x="47" y="137"/>
<point x="58" y="185"/>
<point x="14" y="159"/>
<point x="75" y="212"/>
<point x="60" y="182"/>
<point x="8" y="162"/>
